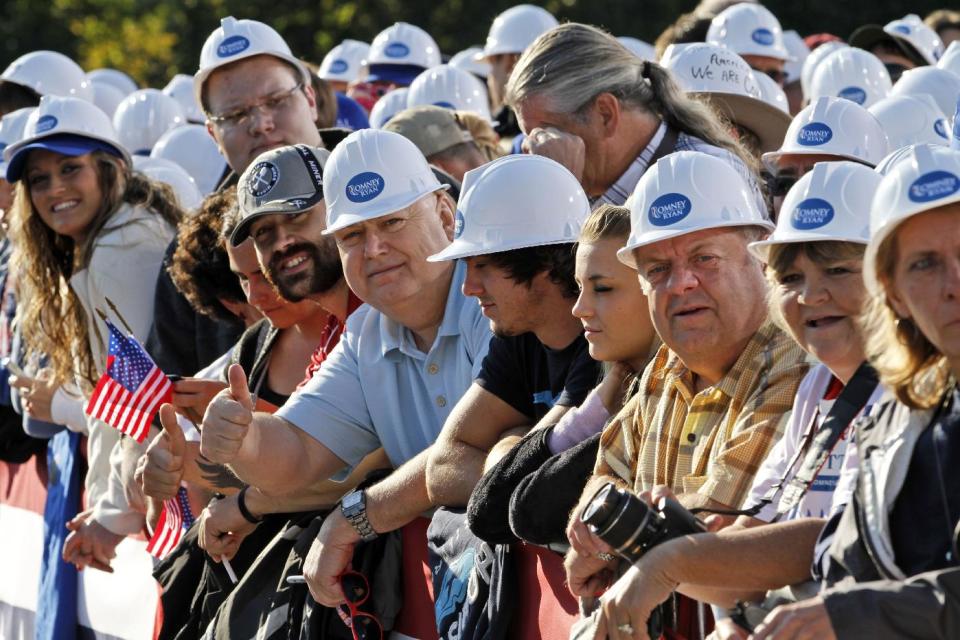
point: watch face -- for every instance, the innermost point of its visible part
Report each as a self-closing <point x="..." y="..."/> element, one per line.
<point x="352" y="499"/>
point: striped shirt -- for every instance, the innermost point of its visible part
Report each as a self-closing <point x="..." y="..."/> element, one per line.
<point x="711" y="442"/>
<point x="623" y="188"/>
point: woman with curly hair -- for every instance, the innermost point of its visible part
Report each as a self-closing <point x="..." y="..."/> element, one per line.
<point x="88" y="232"/>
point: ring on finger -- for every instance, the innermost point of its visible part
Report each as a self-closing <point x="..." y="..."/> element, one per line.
<point x="606" y="557"/>
<point x="626" y="627"/>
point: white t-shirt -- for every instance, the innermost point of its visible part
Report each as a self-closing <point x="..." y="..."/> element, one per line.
<point x="834" y="484"/>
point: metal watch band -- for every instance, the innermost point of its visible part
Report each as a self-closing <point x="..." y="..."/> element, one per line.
<point x="358" y="520"/>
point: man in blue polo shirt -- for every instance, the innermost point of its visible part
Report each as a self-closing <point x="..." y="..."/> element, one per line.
<point x="403" y="363"/>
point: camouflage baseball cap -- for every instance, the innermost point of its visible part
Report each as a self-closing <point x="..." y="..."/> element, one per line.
<point x="283" y="180"/>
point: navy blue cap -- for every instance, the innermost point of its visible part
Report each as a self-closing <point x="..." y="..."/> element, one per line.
<point x="68" y="144"/>
<point x="398" y="74"/>
<point x="350" y="114"/>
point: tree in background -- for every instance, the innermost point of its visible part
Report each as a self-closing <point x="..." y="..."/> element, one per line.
<point x="153" y="40"/>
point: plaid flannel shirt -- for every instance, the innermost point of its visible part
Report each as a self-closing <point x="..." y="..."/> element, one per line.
<point x="711" y="442"/>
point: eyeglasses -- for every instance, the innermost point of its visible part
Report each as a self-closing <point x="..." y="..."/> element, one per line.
<point x="778" y="75"/>
<point x="271" y="105"/>
<point x="356" y="590"/>
<point x="778" y="185"/>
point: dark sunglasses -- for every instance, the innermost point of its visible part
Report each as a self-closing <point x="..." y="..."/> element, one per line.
<point x="778" y="185"/>
<point x="356" y="590"/>
<point x="779" y="76"/>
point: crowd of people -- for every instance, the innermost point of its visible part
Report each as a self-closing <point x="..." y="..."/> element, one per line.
<point x="684" y="317"/>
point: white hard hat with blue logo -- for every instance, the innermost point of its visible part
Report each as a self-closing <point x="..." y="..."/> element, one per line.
<point x="836" y="127"/>
<point x="851" y="73"/>
<point x="926" y="178"/>
<point x="941" y="85"/>
<point x="748" y="29"/>
<point x="911" y="120"/>
<point x="921" y="37"/>
<point x="400" y="53"/>
<point x="829" y="203"/>
<point x="516" y="28"/>
<point x="451" y="88"/>
<point x="372" y="173"/>
<point x="685" y="192"/>
<point x="69" y="126"/>
<point x="516" y="202"/>
<point x="239" y="39"/>
<point x="343" y="62"/>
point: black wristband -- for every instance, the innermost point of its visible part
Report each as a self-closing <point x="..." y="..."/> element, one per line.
<point x="242" y="504"/>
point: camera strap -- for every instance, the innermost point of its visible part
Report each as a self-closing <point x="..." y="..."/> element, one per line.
<point x="845" y="408"/>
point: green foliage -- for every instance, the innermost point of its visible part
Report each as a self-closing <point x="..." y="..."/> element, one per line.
<point x="154" y="39"/>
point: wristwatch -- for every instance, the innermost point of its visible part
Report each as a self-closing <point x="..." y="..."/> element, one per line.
<point x="354" y="509"/>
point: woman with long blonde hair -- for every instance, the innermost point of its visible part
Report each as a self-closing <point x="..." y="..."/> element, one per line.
<point x="90" y="236"/>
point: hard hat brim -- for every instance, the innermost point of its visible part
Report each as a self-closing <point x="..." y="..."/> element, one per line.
<point x="769" y="123"/>
<point x="625" y="255"/>
<point x="770" y="158"/>
<point x="384" y="208"/>
<point x="459" y="249"/>
<point x="761" y="248"/>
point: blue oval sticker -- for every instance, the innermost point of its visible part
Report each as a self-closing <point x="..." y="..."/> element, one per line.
<point x="933" y="186"/>
<point x="458" y="223"/>
<point x="339" y="66"/>
<point x="762" y="36"/>
<point x="445" y="105"/>
<point x="232" y="46"/>
<point x="902" y="28"/>
<point x="397" y="50"/>
<point x="669" y="209"/>
<point x="45" y="123"/>
<point x="814" y="134"/>
<point x="811" y="213"/>
<point x="853" y="94"/>
<point x="940" y="127"/>
<point x="364" y="187"/>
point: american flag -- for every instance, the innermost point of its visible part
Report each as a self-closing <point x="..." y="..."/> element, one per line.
<point x="132" y="388"/>
<point x="174" y="520"/>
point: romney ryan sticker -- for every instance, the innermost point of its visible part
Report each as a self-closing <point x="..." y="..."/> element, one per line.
<point x="364" y="187"/>
<point x="853" y="94"/>
<point x="933" y="186"/>
<point x="458" y="223"/>
<point x="669" y="209"/>
<point x="397" y="50"/>
<point x="46" y="123"/>
<point x="339" y="66"/>
<point x="811" y="213"/>
<point x="814" y="134"/>
<point x="762" y="36"/>
<point x="232" y="46"/>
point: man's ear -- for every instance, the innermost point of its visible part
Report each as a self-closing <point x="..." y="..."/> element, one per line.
<point x="446" y="208"/>
<point x="607" y="109"/>
<point x="311" y="101"/>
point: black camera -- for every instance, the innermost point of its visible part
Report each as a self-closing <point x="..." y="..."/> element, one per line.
<point x="631" y="526"/>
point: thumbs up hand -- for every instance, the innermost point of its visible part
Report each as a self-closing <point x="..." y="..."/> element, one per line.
<point x="162" y="466"/>
<point x="227" y="420"/>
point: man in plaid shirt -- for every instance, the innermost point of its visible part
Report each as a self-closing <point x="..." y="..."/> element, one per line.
<point x="714" y="400"/>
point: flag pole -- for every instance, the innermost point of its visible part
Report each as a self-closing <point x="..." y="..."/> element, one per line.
<point x="116" y="312"/>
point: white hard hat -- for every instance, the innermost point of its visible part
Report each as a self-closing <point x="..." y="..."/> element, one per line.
<point x="516" y="28"/>
<point x="748" y="29"/>
<point x="106" y="96"/>
<point x="55" y="119"/>
<point x="951" y="58"/>
<point x="171" y="173"/>
<point x="772" y="93"/>
<point x="833" y="126"/>
<point x="853" y="74"/>
<point x="389" y="105"/>
<point x="798" y="51"/>
<point x="911" y="119"/>
<point x="49" y="73"/>
<point x="498" y="211"/>
<point x="372" y="173"/>
<point x="921" y="37"/>
<point x="401" y="44"/>
<point x="830" y="202"/>
<point x="926" y="178"/>
<point x="180" y="88"/>
<point x="941" y="85"/>
<point x="343" y="62"/>
<point x="238" y="39"/>
<point x="813" y="61"/>
<point x="446" y="86"/>
<point x="895" y="157"/>
<point x="11" y="131"/>
<point x="191" y="147"/>
<point x="639" y="48"/>
<point x="143" y="117"/>
<point x="124" y="83"/>
<point x="684" y="192"/>
<point x="673" y="50"/>
<point x="726" y="80"/>
<point x="467" y="60"/>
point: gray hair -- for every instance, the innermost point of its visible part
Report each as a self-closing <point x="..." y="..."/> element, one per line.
<point x="574" y="63"/>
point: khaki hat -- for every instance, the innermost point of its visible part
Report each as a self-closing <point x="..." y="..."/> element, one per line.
<point x="283" y="180"/>
<point x="432" y="129"/>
